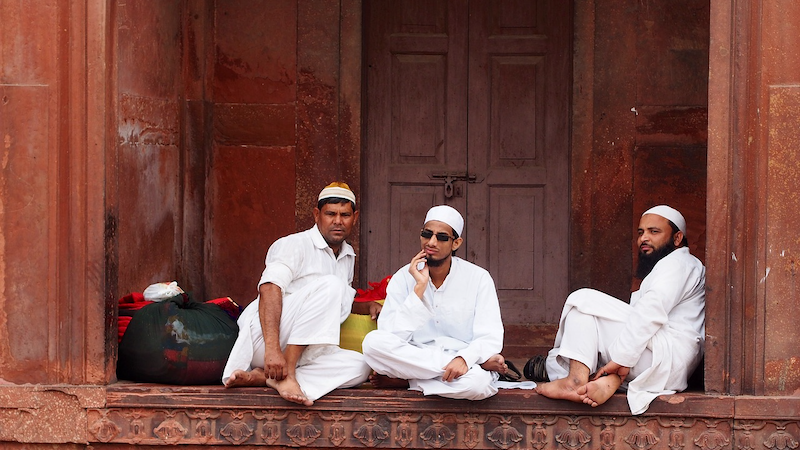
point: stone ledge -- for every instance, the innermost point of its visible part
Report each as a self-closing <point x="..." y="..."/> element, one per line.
<point x="146" y="414"/>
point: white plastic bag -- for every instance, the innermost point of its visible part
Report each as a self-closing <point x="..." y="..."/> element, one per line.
<point x="162" y="291"/>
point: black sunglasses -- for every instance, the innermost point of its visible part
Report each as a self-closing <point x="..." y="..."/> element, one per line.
<point x="441" y="237"/>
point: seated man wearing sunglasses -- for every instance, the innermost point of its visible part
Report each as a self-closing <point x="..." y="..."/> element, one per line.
<point x="441" y="320"/>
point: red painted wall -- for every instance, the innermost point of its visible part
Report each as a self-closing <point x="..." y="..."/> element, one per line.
<point x="640" y="110"/>
<point x="224" y="145"/>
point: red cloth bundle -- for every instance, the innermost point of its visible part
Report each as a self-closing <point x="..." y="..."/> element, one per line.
<point x="377" y="291"/>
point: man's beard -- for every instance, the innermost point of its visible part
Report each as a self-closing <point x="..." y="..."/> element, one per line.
<point x="435" y="262"/>
<point x="648" y="261"/>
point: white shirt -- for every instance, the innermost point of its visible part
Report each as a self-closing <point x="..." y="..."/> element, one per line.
<point x="672" y="299"/>
<point x="462" y="316"/>
<point x="294" y="261"/>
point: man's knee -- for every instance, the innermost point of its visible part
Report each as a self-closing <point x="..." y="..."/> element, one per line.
<point x="476" y="385"/>
<point x="373" y="343"/>
<point x="582" y="293"/>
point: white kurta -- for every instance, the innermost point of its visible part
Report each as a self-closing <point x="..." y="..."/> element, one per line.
<point x="417" y="338"/>
<point x="660" y="334"/>
<point x="317" y="298"/>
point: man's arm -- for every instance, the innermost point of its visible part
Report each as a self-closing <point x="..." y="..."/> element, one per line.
<point x="372" y="308"/>
<point x="270" y="307"/>
<point x="487" y="325"/>
<point x="661" y="290"/>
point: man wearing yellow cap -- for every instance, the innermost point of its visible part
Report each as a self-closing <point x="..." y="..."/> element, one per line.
<point x="441" y="320"/>
<point x="655" y="342"/>
<point x="289" y="336"/>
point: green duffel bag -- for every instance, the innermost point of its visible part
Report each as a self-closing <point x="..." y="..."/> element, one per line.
<point x="177" y="341"/>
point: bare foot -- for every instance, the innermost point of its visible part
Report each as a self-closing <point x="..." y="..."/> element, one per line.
<point x="239" y="378"/>
<point x="290" y="390"/>
<point x="495" y="364"/>
<point x="565" y="388"/>
<point x="383" y="382"/>
<point x="597" y="392"/>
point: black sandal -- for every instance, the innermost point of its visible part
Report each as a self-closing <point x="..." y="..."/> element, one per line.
<point x="536" y="369"/>
<point x="512" y="374"/>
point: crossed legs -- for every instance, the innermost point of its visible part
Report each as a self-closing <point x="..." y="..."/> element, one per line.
<point x="288" y="388"/>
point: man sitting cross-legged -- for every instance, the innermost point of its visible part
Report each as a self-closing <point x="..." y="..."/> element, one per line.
<point x="289" y="336"/>
<point x="440" y="321"/>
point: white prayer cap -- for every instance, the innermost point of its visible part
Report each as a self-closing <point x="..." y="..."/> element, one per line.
<point x="337" y="190"/>
<point x="670" y="214"/>
<point x="448" y="215"/>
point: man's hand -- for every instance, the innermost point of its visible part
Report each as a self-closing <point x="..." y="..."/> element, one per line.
<point x="610" y="368"/>
<point x="455" y="369"/>
<point x="275" y="364"/>
<point x="373" y="309"/>
<point x="270" y="305"/>
<point x="421" y="275"/>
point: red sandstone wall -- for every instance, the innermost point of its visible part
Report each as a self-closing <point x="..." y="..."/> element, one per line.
<point x="224" y="144"/>
<point x="639" y="130"/>
<point x="149" y="153"/>
<point x="284" y="87"/>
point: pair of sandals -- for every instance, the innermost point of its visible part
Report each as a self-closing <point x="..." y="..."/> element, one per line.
<point x="535" y="370"/>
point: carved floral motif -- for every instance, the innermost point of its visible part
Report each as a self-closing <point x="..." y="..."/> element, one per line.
<point x="236" y="432"/>
<point x="104" y="430"/>
<point x="711" y="439"/>
<point x="746" y="427"/>
<point x="338" y="434"/>
<point x="504" y="436"/>
<point x="271" y="428"/>
<point x="575" y="437"/>
<point x="641" y="438"/>
<point x="676" y="439"/>
<point x="270" y="432"/>
<point x="303" y="434"/>
<point x="539" y="437"/>
<point x="437" y="435"/>
<point x="370" y="434"/>
<point x="781" y="440"/>
<point x="170" y="431"/>
<point x="472" y="436"/>
<point x="607" y="438"/>
<point x="404" y="434"/>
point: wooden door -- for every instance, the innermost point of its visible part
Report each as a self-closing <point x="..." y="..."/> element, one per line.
<point x="467" y="104"/>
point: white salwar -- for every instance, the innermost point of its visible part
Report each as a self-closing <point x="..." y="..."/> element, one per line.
<point x="660" y="335"/>
<point x="416" y="338"/>
<point x="317" y="298"/>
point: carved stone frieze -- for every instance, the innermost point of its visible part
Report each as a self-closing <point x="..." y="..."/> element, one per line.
<point x="317" y="428"/>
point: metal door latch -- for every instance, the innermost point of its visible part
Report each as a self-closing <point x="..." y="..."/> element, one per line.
<point x="449" y="178"/>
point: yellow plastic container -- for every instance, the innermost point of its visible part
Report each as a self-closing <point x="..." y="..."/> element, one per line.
<point x="354" y="328"/>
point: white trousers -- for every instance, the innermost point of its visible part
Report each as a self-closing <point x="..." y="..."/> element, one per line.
<point x="312" y="317"/>
<point x="586" y="337"/>
<point x="423" y="367"/>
